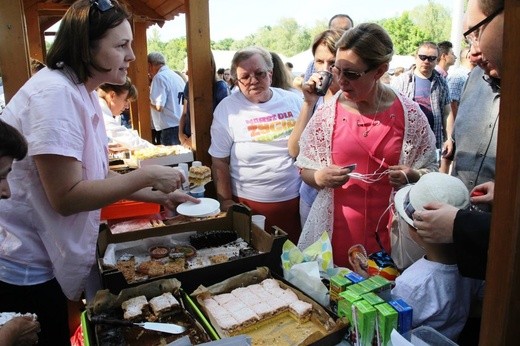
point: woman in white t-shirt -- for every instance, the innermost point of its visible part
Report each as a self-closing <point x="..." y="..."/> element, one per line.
<point x="57" y="191"/>
<point x="114" y="99"/>
<point x="251" y="162"/>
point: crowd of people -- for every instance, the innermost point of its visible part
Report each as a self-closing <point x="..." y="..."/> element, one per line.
<point x="356" y="157"/>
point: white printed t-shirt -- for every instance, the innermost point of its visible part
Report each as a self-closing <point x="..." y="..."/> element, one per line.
<point x="254" y="136"/>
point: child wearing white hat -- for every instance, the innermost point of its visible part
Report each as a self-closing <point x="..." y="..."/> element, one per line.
<point x="439" y="295"/>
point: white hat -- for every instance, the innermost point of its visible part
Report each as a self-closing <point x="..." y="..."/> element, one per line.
<point x="432" y="187"/>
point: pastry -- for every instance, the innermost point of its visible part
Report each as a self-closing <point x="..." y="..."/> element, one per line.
<point x="187" y="250"/>
<point x="175" y="266"/>
<point x="199" y="175"/>
<point x="164" y="303"/>
<point x="134" y="308"/>
<point x="159" y="252"/>
<point x="220" y="258"/>
<point x="151" y="268"/>
<point x="244" y="306"/>
<point x="212" y="238"/>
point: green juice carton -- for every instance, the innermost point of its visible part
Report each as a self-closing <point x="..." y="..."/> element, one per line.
<point x="364" y="322"/>
<point x="338" y="284"/>
<point x="386" y="321"/>
<point x="372" y="298"/>
<point x="358" y="288"/>
<point x="381" y="286"/>
<point x="347" y="298"/>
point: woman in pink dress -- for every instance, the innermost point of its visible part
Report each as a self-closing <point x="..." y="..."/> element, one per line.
<point x="368" y="124"/>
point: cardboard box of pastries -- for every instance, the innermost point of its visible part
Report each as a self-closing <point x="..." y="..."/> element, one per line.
<point x="262" y="305"/>
<point x="266" y="249"/>
<point x="162" y="301"/>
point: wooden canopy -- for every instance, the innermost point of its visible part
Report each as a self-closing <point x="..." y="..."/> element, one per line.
<point x="24" y="22"/>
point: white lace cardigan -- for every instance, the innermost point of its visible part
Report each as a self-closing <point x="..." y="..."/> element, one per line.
<point x="418" y="152"/>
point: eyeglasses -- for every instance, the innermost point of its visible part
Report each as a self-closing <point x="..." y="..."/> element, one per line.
<point x="430" y="58"/>
<point x="348" y="74"/>
<point x="259" y="76"/>
<point x="473" y="34"/>
<point x="407" y="205"/>
<point x="102" y="5"/>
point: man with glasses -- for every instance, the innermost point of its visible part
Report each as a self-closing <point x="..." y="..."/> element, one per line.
<point x="441" y="223"/>
<point x="485" y="20"/>
<point x="423" y="84"/>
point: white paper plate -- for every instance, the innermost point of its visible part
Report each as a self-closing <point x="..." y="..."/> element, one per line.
<point x="206" y="207"/>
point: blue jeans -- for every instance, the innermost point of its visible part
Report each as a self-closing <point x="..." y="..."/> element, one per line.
<point x="170" y="136"/>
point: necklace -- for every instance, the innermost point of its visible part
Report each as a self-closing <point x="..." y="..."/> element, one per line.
<point x="374" y="121"/>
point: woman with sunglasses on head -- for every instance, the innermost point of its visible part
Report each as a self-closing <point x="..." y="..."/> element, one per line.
<point x="250" y="159"/>
<point x="59" y="188"/>
<point x="368" y="124"/>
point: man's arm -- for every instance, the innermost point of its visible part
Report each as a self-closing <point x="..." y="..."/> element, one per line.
<point x="471" y="238"/>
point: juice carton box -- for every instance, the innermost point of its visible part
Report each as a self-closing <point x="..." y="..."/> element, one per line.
<point x="364" y="322"/>
<point x="405" y="313"/>
<point x="386" y="321"/>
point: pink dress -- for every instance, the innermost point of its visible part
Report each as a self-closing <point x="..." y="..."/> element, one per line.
<point x="360" y="208"/>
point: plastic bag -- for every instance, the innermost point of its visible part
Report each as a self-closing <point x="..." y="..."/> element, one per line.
<point x="305" y="269"/>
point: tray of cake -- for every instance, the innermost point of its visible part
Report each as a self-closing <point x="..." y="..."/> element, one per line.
<point x="162" y="155"/>
<point x="126" y="318"/>
<point x="208" y="247"/>
<point x="262" y="305"/>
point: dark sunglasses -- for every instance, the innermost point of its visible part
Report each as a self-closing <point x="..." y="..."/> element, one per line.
<point x="408" y="207"/>
<point x="430" y="58"/>
<point x="102" y="5"/>
<point x="348" y="74"/>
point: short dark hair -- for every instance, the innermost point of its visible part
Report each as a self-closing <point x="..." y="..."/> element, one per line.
<point x="80" y="30"/>
<point x="489" y="6"/>
<point x="444" y="47"/>
<point x="341" y="15"/>
<point x="120" y="89"/>
<point x="221" y="70"/>
<point x="12" y="143"/>
<point x="428" y="44"/>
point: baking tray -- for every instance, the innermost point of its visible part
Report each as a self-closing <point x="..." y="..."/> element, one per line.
<point x="108" y="305"/>
<point x="324" y="327"/>
<point x="238" y="218"/>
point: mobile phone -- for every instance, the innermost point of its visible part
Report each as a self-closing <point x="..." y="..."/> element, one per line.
<point x="350" y="167"/>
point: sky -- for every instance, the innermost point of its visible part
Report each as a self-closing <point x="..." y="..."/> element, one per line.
<point x="237" y="19"/>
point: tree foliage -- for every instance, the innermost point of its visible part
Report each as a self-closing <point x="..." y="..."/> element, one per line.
<point x="174" y="50"/>
<point x="287" y="38"/>
<point x="431" y="22"/>
<point x="433" y="19"/>
<point x="405" y="35"/>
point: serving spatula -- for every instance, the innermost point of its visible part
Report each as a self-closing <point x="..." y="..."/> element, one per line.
<point x="157" y="326"/>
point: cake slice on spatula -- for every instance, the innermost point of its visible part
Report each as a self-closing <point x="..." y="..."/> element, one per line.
<point x="199" y="176"/>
